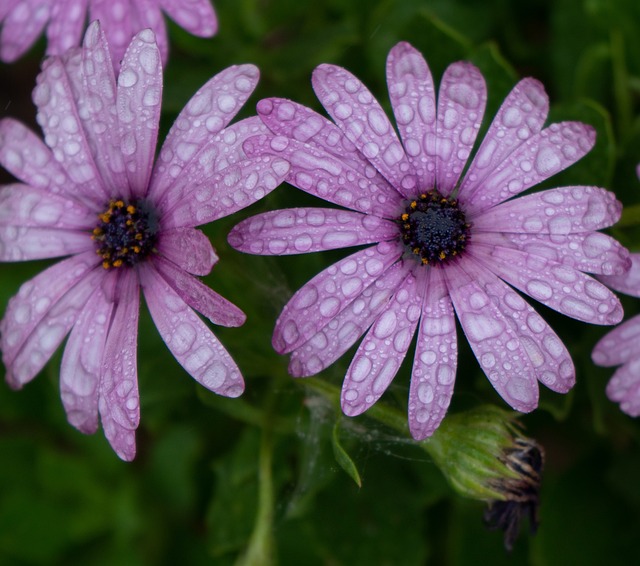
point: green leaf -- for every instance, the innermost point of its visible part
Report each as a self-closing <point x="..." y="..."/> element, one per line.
<point x="343" y="458"/>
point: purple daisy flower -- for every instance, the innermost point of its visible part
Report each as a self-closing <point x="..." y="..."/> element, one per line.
<point x="619" y="347"/>
<point x="446" y="244"/>
<point x="94" y="194"/>
<point x="22" y="22"/>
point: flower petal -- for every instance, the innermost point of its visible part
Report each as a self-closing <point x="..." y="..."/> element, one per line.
<point x="557" y="286"/>
<point x="190" y="140"/>
<point x="461" y="102"/>
<point x="627" y="283"/>
<point x="119" y="402"/>
<point x="329" y="177"/>
<point x="65" y="28"/>
<point x="81" y="367"/>
<point x="150" y="16"/>
<point x="189" y="249"/>
<point x="624" y="387"/>
<point x="304" y="230"/>
<point x="413" y="100"/>
<point x="119" y="20"/>
<point x="359" y="115"/>
<point x="22" y="243"/>
<point x="593" y="252"/>
<point x="316" y="303"/>
<point x="560" y="211"/>
<point x="382" y="351"/>
<point x="342" y="332"/>
<point x="228" y="191"/>
<point x="198" y="296"/>
<point x="21" y="28"/>
<point x="619" y="345"/>
<point x="543" y="155"/>
<point x="520" y="117"/>
<point x="23" y="154"/>
<point x="196" y="16"/>
<point x="138" y="101"/>
<point x="27" y="309"/>
<point x="475" y="295"/>
<point x="194" y="346"/>
<point x="434" y="365"/>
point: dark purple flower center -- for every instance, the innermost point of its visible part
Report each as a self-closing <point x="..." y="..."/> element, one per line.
<point x="434" y="228"/>
<point x="126" y="232"/>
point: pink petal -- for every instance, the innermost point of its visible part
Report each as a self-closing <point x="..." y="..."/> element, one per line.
<point x="520" y="117"/>
<point x="593" y="252"/>
<point x="21" y="27"/>
<point x="7" y="6"/>
<point x="461" y="102"/>
<point x="358" y="114"/>
<point x="382" y="351"/>
<point x="82" y="360"/>
<point x="329" y="177"/>
<point x="67" y="22"/>
<point x="619" y="345"/>
<point x="22" y="243"/>
<point x="119" y="20"/>
<point x="189" y="249"/>
<point x="230" y="190"/>
<point x="138" y="100"/>
<point x="328" y="293"/>
<point x="119" y="401"/>
<point x="23" y="154"/>
<point x="624" y="387"/>
<point x="210" y="110"/>
<point x="557" y="211"/>
<point x="150" y="16"/>
<point x="414" y="105"/>
<point x="543" y="155"/>
<point x="304" y="230"/>
<point x="627" y="283"/>
<point x="342" y="332"/>
<point x="196" y="16"/>
<point x="60" y="122"/>
<point x="35" y="298"/>
<point x="497" y="346"/>
<point x="194" y="346"/>
<point x="557" y="286"/>
<point x="198" y="296"/>
<point x="41" y="340"/>
<point x="434" y="365"/>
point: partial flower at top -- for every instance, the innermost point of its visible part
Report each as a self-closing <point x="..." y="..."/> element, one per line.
<point x="94" y="193"/>
<point x="22" y="22"/>
<point x="444" y="242"/>
<point x="620" y="347"/>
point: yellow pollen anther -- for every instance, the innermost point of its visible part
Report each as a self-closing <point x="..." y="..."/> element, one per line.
<point x="118" y="203"/>
<point x="425" y="261"/>
<point x="106" y="264"/>
<point x="442" y="255"/>
<point x="129" y="222"/>
<point x="105" y="216"/>
<point x="136" y="249"/>
<point x="405" y="217"/>
<point x="413" y="204"/>
<point x="117" y="263"/>
<point x="138" y="236"/>
<point x="416" y="251"/>
<point x="131" y="209"/>
<point x="97" y="231"/>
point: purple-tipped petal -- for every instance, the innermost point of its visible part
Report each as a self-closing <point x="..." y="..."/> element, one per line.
<point x="553" y="149"/>
<point x="557" y="286"/>
<point x="198" y="296"/>
<point x="81" y="367"/>
<point x="383" y="349"/>
<point x="209" y="111"/>
<point x="619" y="345"/>
<point x="624" y="387"/>
<point x="342" y="331"/>
<point x="65" y="28"/>
<point x="150" y="16"/>
<point x="592" y="252"/>
<point x="22" y="243"/>
<point x="627" y="283"/>
<point x="461" y="102"/>
<point x="304" y="230"/>
<point x="560" y="211"/>
<point x="328" y="293"/>
<point x="196" y="16"/>
<point x="233" y="189"/>
<point x="138" y="101"/>
<point x="435" y="362"/>
<point x="359" y="115"/>
<point x="328" y="177"/>
<point x="189" y="249"/>
<point x="496" y="345"/>
<point x="119" y="402"/>
<point x="119" y="21"/>
<point x="520" y="117"/>
<point x="191" y="342"/>
<point x="22" y="26"/>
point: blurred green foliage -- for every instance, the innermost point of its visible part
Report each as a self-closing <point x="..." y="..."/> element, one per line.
<point x="256" y="480"/>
